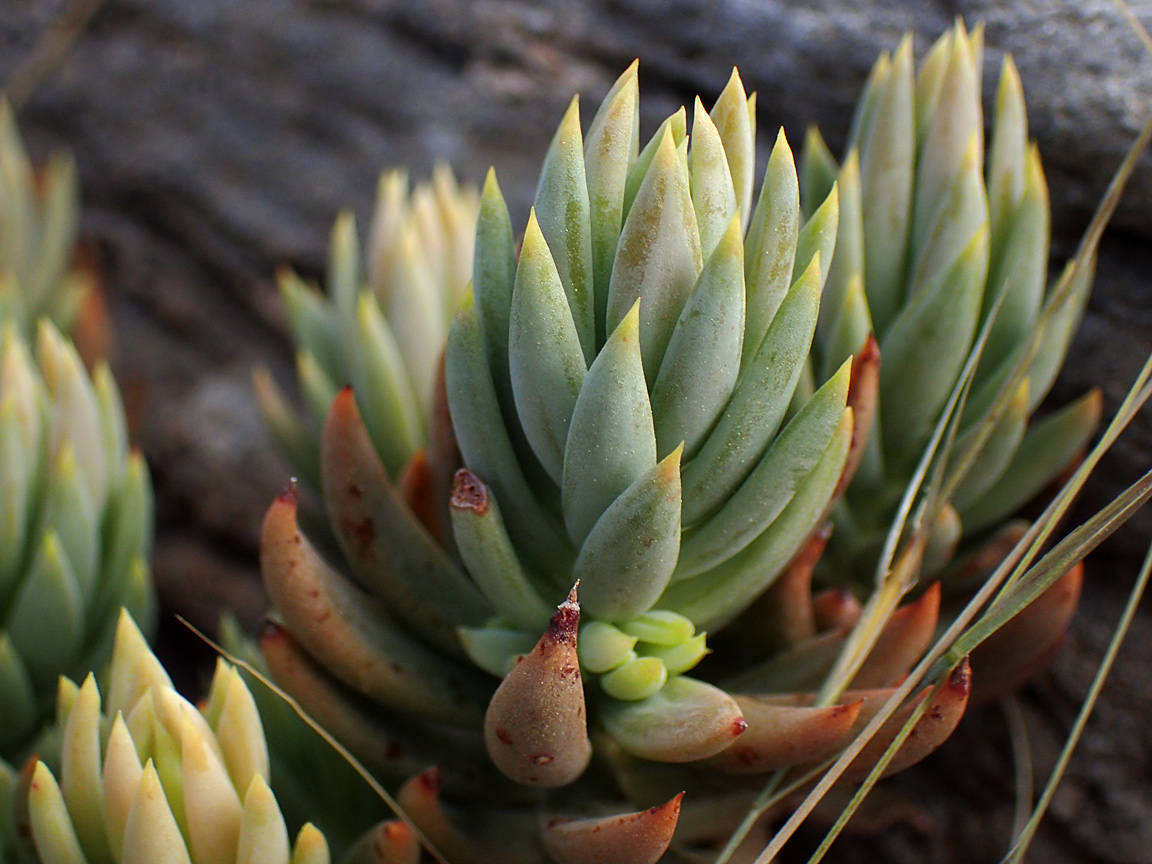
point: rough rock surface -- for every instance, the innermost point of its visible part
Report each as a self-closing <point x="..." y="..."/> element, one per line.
<point x="217" y="139"/>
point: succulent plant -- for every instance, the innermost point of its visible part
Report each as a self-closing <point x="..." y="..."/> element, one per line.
<point x="39" y="218"/>
<point x="146" y="777"/>
<point x="383" y="334"/>
<point x="76" y="526"/>
<point x="644" y="466"/>
<point x="934" y="249"/>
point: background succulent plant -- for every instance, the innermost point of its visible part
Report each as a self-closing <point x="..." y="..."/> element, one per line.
<point x="39" y="222"/>
<point x="381" y="325"/>
<point x="939" y="242"/>
<point x="146" y="777"/>
<point x="77" y="525"/>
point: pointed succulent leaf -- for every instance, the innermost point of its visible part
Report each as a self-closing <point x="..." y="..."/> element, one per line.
<point x="562" y="208"/>
<point x="81" y="773"/>
<point x="848" y="258"/>
<point x="151" y="835"/>
<point x="679" y="658"/>
<point x="638" y="170"/>
<point x="773" y="482"/>
<point x="817" y="238"/>
<point x="713" y="196"/>
<point x="388" y="549"/>
<point x="490" y="556"/>
<point x="493" y="275"/>
<point x="887" y="158"/>
<point x="611" y="442"/>
<point x="783" y="735"/>
<point x="1045" y="450"/>
<point x="1018" y="269"/>
<point x="212" y="807"/>
<point x="658" y="258"/>
<point x="485" y="444"/>
<point x="380" y="379"/>
<point x="293" y="439"/>
<point x="535" y="727"/>
<point x="121" y="777"/>
<point x="996" y="454"/>
<point x="545" y="357"/>
<point x="610" y="148"/>
<point x="352" y="637"/>
<point x="700" y="367"/>
<point x="21" y="713"/>
<point x="901" y="643"/>
<point x="263" y="835"/>
<point x="52" y="831"/>
<point x="1008" y="155"/>
<point x="628" y="557"/>
<point x="735" y="119"/>
<point x="626" y="838"/>
<point x="69" y="513"/>
<point x="684" y="721"/>
<point x="770" y="250"/>
<point x="716" y="596"/>
<point x="818" y="170"/>
<point x="50" y="593"/>
<point x="238" y="729"/>
<point x="939" y="323"/>
<point x="758" y="404"/>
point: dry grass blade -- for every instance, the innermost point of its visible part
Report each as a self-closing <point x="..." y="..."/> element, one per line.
<point x="328" y="739"/>
<point x="1016" y="854"/>
<point x="1022" y="759"/>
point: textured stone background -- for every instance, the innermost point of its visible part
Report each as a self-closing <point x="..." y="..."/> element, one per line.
<point x="218" y="138"/>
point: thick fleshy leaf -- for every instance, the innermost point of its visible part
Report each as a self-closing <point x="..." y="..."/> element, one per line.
<point x="81" y="773"/>
<point x="658" y="258"/>
<point x="293" y="439"/>
<point x="772" y="484"/>
<point x="389" y="550"/>
<point x="383" y="388"/>
<point x="848" y="258"/>
<point x="818" y="170"/>
<point x="489" y="555"/>
<point x="887" y="156"/>
<point x="940" y="324"/>
<point x="685" y="721"/>
<point x="562" y="208"/>
<point x="21" y="711"/>
<point x="69" y="513"/>
<point x="930" y="731"/>
<point x="545" y="357"/>
<point x="700" y="367"/>
<point x="611" y="442"/>
<point x="901" y="643"/>
<point x="781" y="735"/>
<point x="353" y="637"/>
<point x="493" y="275"/>
<point x="735" y="118"/>
<point x="49" y="594"/>
<point x="610" y="148"/>
<point x="715" y="597"/>
<point x="388" y="750"/>
<point x="713" y="196"/>
<point x="955" y="120"/>
<point x="1046" y="450"/>
<point x="1008" y="155"/>
<point x="486" y="446"/>
<point x="677" y="126"/>
<point x="263" y="835"/>
<point x="626" y="838"/>
<point x="121" y="777"/>
<point x="52" y="832"/>
<point x="211" y="804"/>
<point x="238" y="729"/>
<point x="628" y="556"/>
<point x="771" y="246"/>
<point x="151" y="835"/>
<point x="535" y="727"/>
<point x="758" y="404"/>
<point x="1018" y="269"/>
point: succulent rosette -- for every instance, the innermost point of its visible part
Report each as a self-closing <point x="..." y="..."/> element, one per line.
<point x="643" y="467"/>
<point x="943" y="247"/>
<point x="145" y="776"/>
<point x="76" y="526"/>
